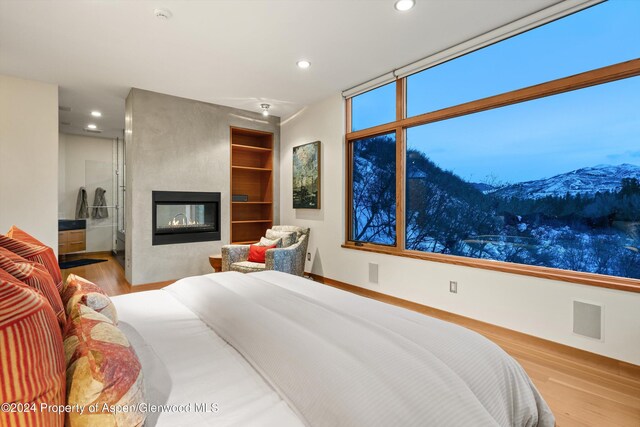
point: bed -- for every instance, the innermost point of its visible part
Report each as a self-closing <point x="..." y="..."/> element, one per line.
<point x="272" y="349"/>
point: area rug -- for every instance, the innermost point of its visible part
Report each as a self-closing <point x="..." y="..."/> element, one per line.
<point x="79" y="262"/>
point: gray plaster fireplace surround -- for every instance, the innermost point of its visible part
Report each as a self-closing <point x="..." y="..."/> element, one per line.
<point x="178" y="144"/>
<point x="185" y="216"/>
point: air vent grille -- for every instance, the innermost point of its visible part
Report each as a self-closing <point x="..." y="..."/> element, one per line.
<point x="63" y="108"/>
<point x="93" y="131"/>
<point x="587" y="319"/>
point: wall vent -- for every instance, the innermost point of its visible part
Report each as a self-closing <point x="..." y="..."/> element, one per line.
<point x="93" y="131"/>
<point x="373" y="273"/>
<point x="587" y="319"/>
<point x="63" y="108"/>
<point x="65" y="123"/>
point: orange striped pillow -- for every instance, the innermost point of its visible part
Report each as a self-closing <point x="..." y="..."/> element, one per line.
<point x="33" y="365"/>
<point x="36" y="276"/>
<point x="79" y="290"/>
<point x="102" y="369"/>
<point x="27" y="246"/>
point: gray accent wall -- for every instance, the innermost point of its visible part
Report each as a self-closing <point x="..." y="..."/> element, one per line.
<point x="178" y="144"/>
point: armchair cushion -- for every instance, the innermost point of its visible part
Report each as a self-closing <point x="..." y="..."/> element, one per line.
<point x="266" y="242"/>
<point x="288" y="237"/>
<point x="247" y="266"/>
<point x="291" y="229"/>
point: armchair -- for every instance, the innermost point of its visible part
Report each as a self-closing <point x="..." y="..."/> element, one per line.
<point x="289" y="259"/>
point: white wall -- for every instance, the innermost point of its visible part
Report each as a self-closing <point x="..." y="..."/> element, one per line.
<point x="29" y="158"/>
<point x="531" y="305"/>
<point x="86" y="161"/>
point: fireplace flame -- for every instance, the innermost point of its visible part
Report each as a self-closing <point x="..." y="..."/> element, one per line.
<point x="176" y="221"/>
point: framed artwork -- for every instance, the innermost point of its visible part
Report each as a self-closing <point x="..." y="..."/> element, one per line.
<point x="306" y="176"/>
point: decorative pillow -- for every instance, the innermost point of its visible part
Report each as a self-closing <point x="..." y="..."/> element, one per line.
<point x="33" y="365"/>
<point x="258" y="253"/>
<point x="102" y="369"/>
<point x="79" y="290"/>
<point x="18" y="234"/>
<point x="266" y="242"/>
<point x="30" y="248"/>
<point x="34" y="275"/>
<point x="288" y="237"/>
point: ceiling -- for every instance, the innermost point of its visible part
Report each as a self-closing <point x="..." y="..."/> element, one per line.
<point x="239" y="53"/>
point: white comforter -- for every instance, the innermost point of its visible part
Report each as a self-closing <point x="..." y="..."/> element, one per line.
<point x="342" y="360"/>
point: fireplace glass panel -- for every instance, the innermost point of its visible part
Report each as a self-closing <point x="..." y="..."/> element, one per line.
<point x="185" y="218"/>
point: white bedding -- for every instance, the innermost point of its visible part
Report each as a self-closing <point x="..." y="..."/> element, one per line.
<point x="335" y="358"/>
<point x="201" y="367"/>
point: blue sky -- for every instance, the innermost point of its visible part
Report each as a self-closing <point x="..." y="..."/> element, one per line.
<point x="537" y="139"/>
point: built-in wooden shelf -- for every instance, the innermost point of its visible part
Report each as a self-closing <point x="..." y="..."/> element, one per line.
<point x="251" y="167"/>
<point x="252" y="203"/>
<point x="240" y="147"/>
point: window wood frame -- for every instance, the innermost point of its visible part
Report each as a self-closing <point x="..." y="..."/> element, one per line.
<point x="583" y="80"/>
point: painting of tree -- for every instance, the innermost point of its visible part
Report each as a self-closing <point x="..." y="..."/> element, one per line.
<point x="306" y="176"/>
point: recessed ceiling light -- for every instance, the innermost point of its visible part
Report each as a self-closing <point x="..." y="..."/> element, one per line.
<point x="304" y="64"/>
<point x="96" y="114"/>
<point x="265" y="109"/>
<point x="163" y="14"/>
<point x="404" y="5"/>
<point x="91" y="126"/>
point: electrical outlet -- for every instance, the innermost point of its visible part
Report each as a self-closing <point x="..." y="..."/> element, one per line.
<point x="308" y="256"/>
<point x="453" y="287"/>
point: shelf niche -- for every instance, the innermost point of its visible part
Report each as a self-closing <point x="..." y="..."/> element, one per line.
<point x="252" y="176"/>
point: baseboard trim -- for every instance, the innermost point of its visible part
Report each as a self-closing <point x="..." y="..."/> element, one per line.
<point x="582" y="357"/>
<point x="86" y="254"/>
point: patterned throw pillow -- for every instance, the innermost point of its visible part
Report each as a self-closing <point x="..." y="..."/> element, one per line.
<point x="80" y="290"/>
<point x="27" y="246"/>
<point x="33" y="365"/>
<point x="288" y="237"/>
<point x="102" y="369"/>
<point x="36" y="276"/>
<point x="266" y="242"/>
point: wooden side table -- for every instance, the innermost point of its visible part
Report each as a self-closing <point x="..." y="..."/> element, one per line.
<point x="216" y="262"/>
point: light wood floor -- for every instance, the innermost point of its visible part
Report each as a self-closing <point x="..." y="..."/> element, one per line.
<point x="581" y="388"/>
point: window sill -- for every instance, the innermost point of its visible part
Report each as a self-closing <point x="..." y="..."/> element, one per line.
<point x="589" y="279"/>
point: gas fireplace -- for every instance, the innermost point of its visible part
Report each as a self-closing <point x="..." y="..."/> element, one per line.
<point x="185" y="216"/>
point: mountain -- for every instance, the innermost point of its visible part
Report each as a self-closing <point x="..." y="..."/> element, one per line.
<point x="481" y="186"/>
<point x="589" y="180"/>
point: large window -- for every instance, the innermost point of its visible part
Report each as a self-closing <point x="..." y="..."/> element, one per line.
<point x="541" y="180"/>
<point x="596" y="37"/>
<point x="373" y="179"/>
<point x="374" y="107"/>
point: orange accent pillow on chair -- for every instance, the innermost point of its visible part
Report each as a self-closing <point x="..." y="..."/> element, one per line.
<point x="258" y="253"/>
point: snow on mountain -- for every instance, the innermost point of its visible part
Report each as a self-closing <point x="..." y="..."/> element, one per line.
<point x="589" y="180"/>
